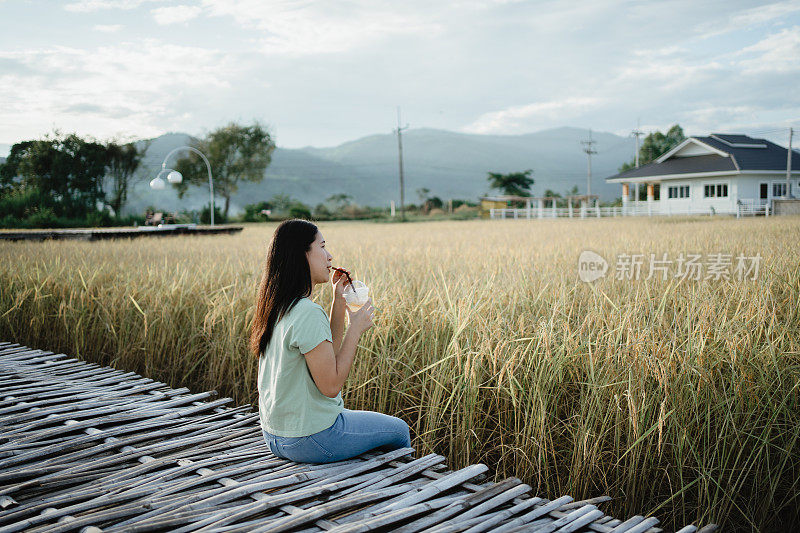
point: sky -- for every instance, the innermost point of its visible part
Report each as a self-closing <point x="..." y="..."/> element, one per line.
<point x="319" y="73"/>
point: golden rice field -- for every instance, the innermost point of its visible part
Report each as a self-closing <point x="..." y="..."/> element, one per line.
<point x="676" y="397"/>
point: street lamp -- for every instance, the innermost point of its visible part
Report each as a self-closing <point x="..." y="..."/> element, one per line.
<point x="173" y="176"/>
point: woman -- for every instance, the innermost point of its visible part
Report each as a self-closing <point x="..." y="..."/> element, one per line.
<point x="304" y="357"/>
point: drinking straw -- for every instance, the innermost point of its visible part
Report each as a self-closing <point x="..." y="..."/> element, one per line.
<point x="343" y="271"/>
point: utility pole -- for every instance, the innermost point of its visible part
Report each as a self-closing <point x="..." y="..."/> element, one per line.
<point x="789" y="164"/>
<point x="399" y="131"/>
<point x="588" y="147"/>
<point x="636" y="133"/>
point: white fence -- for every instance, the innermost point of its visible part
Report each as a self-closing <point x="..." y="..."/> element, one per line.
<point x="740" y="210"/>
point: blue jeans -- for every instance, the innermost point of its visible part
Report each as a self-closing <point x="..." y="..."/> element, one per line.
<point x="353" y="433"/>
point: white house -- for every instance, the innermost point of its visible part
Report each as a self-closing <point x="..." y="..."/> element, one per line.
<point x="721" y="173"/>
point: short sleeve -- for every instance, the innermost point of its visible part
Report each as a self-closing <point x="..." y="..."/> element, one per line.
<point x="311" y="328"/>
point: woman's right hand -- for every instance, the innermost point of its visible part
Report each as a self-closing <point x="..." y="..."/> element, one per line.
<point x="361" y="320"/>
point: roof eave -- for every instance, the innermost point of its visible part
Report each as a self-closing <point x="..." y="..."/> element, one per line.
<point x="668" y="177"/>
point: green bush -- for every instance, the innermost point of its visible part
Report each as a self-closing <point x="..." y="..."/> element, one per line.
<point x="42" y="218"/>
<point x="252" y="212"/>
<point x="299" y="210"/>
<point x="205" y="216"/>
<point x="99" y="219"/>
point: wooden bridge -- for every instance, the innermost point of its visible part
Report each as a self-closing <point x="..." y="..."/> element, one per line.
<point x="103" y="234"/>
<point x="92" y="449"/>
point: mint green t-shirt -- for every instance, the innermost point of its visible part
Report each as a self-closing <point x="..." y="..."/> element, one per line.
<point x="289" y="402"/>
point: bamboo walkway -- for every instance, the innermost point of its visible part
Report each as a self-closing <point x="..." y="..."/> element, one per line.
<point x="103" y="234"/>
<point x="92" y="449"/>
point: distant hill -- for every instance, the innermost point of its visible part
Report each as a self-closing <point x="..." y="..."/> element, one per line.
<point x="451" y="165"/>
<point x="454" y="165"/>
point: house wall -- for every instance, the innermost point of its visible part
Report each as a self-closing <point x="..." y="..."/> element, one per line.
<point x="697" y="200"/>
<point x="750" y="185"/>
<point x="488" y="205"/>
<point x="745" y="188"/>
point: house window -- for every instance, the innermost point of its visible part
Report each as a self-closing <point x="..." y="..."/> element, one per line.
<point x="778" y="190"/>
<point x="715" y="190"/>
<point x="676" y="191"/>
<point x="763" y="188"/>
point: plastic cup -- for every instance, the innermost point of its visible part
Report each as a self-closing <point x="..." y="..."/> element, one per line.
<point x="355" y="299"/>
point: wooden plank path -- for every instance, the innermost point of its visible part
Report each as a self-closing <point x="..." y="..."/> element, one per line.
<point x="92" y="449"/>
<point x="102" y="234"/>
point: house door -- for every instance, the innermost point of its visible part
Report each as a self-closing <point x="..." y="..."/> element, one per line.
<point x="764" y="190"/>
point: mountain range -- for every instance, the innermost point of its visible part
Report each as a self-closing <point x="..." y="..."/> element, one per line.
<point x="449" y="164"/>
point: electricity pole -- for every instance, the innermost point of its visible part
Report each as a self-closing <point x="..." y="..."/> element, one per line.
<point x="399" y="131"/>
<point x="636" y="133"/>
<point x="588" y="147"/>
<point x="789" y="163"/>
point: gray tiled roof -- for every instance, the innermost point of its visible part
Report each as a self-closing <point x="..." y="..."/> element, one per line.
<point x="773" y="157"/>
<point x="681" y="165"/>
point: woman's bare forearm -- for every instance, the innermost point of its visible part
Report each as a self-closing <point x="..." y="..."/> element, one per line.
<point x="337" y="322"/>
<point x="345" y="356"/>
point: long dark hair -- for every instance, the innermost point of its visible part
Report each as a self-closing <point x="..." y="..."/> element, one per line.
<point x="286" y="279"/>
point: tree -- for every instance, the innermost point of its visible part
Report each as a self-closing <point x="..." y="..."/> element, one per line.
<point x="422" y="194"/>
<point x="280" y="203"/>
<point x="655" y="145"/>
<point x="123" y="161"/>
<point x="434" y="202"/>
<point x="339" y="201"/>
<point x="513" y="184"/>
<point x="236" y="153"/>
<point x="66" y="172"/>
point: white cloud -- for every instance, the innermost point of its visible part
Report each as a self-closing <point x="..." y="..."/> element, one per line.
<point x="107" y="28"/>
<point x="779" y="52"/>
<point x="88" y="6"/>
<point x="175" y="14"/>
<point x="748" y="18"/>
<point x="669" y="71"/>
<point x="129" y="87"/>
<point x="523" y="118"/>
<point x="323" y="27"/>
<point x="666" y="51"/>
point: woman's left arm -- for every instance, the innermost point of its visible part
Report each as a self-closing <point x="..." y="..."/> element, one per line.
<point x="337" y="311"/>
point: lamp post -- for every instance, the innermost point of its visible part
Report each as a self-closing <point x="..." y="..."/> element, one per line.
<point x="173" y="176"/>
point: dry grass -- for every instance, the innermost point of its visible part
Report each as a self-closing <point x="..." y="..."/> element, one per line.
<point x="678" y="398"/>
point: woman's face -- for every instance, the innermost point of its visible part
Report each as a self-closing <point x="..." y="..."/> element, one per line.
<point x="319" y="261"/>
